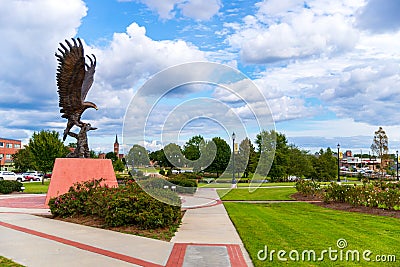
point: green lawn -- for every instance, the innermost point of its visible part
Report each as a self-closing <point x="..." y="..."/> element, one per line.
<point x="279" y="193"/>
<point x="4" y="262"/>
<point x="303" y="226"/>
<point x="36" y="187"/>
<point x="228" y="185"/>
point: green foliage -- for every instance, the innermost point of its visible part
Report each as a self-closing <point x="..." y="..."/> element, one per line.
<point x="184" y="186"/>
<point x="308" y="187"/>
<point x="112" y="156"/>
<point x="7" y="187"/>
<point x="384" y="195"/>
<point x="127" y="205"/>
<point x="118" y="165"/>
<point x="45" y="147"/>
<point x="23" y="160"/>
<point x="222" y="157"/>
<point x="324" y="166"/>
<point x="191" y="149"/>
<point x="4" y="262"/>
<point x="137" y="156"/>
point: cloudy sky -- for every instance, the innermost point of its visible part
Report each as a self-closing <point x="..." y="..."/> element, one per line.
<point x="329" y="70"/>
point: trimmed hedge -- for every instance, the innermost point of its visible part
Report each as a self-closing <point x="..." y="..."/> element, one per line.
<point x="183" y="186"/>
<point x="125" y="205"/>
<point x="380" y="194"/>
<point x="7" y="187"/>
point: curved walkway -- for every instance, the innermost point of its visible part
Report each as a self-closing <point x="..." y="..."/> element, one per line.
<point x="206" y="237"/>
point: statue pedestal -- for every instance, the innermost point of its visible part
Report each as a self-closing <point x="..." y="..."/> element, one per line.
<point x="68" y="171"/>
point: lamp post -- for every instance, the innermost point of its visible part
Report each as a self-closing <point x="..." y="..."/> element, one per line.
<point x="233" y="160"/>
<point x="338" y="163"/>
<point x="397" y="164"/>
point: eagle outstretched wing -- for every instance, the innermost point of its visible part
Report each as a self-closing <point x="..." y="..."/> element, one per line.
<point x="74" y="79"/>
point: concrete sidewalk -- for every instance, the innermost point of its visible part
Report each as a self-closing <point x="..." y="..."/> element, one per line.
<point x="206" y="237"/>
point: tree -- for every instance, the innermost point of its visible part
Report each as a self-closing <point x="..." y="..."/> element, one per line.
<point x="246" y="158"/>
<point x="380" y="146"/>
<point x="325" y="166"/>
<point x="266" y="144"/>
<point x="300" y="164"/>
<point x="112" y="156"/>
<point x="137" y="156"/>
<point x="93" y="154"/>
<point x="222" y="157"/>
<point x="23" y="160"/>
<point x="118" y="165"/>
<point x="191" y="149"/>
<point x="174" y="155"/>
<point x="45" y="147"/>
<point x="159" y="157"/>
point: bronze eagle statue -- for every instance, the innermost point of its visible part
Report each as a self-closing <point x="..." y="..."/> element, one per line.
<point x="74" y="79"/>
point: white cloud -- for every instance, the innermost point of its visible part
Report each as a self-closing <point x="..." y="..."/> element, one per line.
<point x="199" y="9"/>
<point x="195" y="9"/>
<point x="294" y="32"/>
<point x="132" y="56"/>
<point x="29" y="41"/>
<point x="378" y="16"/>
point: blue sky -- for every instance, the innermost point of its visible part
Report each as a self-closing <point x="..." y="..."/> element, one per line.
<point x="329" y="70"/>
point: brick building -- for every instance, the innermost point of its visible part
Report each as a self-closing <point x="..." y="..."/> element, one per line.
<point x="8" y="147"/>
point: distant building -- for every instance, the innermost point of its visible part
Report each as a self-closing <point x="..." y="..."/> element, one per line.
<point x="116" y="148"/>
<point x="116" y="145"/>
<point x="8" y="147"/>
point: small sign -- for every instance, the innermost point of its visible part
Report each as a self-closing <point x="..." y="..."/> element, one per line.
<point x="236" y="147"/>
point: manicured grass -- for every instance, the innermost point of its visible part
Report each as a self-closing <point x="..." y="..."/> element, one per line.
<point x="279" y="193"/>
<point x="4" y="262"/>
<point x="303" y="226"/>
<point x="36" y="187"/>
<point x="228" y="185"/>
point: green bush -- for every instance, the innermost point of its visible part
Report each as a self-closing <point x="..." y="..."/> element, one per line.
<point x="125" y="205"/>
<point x="384" y="195"/>
<point x="7" y="187"/>
<point x="308" y="187"/>
<point x="183" y="185"/>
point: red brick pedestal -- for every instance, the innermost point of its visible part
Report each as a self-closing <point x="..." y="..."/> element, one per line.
<point x="68" y="171"/>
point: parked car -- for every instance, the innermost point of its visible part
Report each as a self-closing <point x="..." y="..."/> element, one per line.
<point x="20" y="177"/>
<point x="32" y="176"/>
<point x="6" y="175"/>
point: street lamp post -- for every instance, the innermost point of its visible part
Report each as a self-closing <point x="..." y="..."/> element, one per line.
<point x="338" y="163"/>
<point x="233" y="160"/>
<point x="397" y="164"/>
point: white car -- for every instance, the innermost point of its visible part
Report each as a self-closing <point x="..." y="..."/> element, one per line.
<point x="6" y="175"/>
<point x="32" y="176"/>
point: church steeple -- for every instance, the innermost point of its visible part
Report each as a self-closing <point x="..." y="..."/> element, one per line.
<point x="116" y="146"/>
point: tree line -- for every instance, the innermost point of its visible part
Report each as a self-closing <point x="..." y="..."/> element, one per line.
<point x="214" y="156"/>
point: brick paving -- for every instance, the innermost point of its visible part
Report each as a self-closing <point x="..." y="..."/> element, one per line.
<point x="181" y="248"/>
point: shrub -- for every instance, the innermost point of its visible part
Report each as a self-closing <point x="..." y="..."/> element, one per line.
<point x="125" y="205"/>
<point x="7" y="187"/>
<point x="308" y="187"/>
<point x="183" y="185"/>
<point x="384" y="195"/>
